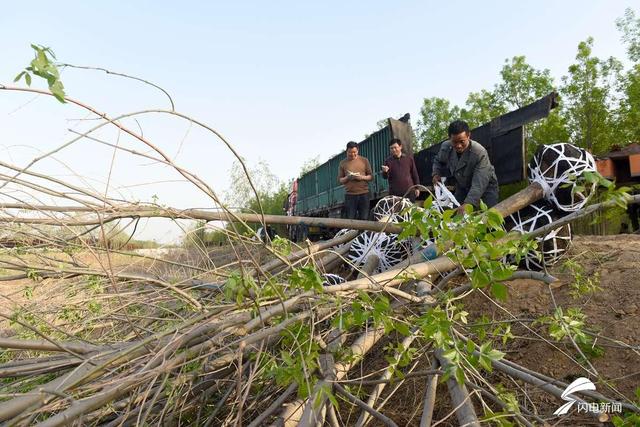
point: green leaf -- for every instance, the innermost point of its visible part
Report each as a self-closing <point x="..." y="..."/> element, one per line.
<point x="286" y="357"/>
<point x="447" y="215"/>
<point x="58" y="91"/>
<point x="332" y="399"/>
<point x="381" y="305"/>
<point x="499" y="291"/>
<point x="479" y="279"/>
<point x="408" y="230"/>
<point x="281" y="245"/>
<point x="428" y="203"/>
<point x="470" y="346"/>
<point x="462" y="316"/>
<point x="306" y="278"/>
<point x="590" y="177"/>
<point x="606" y="183"/>
<point x="502" y="273"/>
<point x="43" y="66"/>
<point x="402" y="328"/>
<point x="577" y="189"/>
<point x="468" y="209"/>
<point x="495" y="355"/>
<point x="459" y="374"/>
<point x="485" y="363"/>
<point x="494" y="218"/>
<point x="506" y="334"/>
<point x="450" y="354"/>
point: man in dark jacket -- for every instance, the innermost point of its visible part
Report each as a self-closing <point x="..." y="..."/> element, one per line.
<point x="468" y="162"/>
<point x="401" y="172"/>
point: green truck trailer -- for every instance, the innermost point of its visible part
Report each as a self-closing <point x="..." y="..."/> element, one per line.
<point x="320" y="194"/>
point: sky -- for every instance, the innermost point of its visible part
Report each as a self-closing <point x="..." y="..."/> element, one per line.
<point x="283" y="82"/>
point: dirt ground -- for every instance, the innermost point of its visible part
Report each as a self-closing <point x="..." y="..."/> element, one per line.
<point x="613" y="312"/>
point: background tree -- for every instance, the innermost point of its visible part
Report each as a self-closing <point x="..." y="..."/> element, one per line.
<point x="550" y="130"/>
<point x="272" y="193"/>
<point x="272" y="202"/>
<point x="522" y="84"/>
<point x="629" y="25"/>
<point x="380" y="124"/>
<point x="240" y="194"/>
<point x="481" y="107"/>
<point x="629" y="113"/>
<point x="589" y="99"/>
<point x="197" y="236"/>
<point x="309" y="165"/>
<point x="435" y="116"/>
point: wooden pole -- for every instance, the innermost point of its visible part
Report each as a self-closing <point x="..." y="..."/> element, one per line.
<point x="369" y="266"/>
<point x="460" y="398"/>
<point x="135" y="211"/>
<point x="329" y="262"/>
<point x="312" y="249"/>
<point x="521" y="199"/>
<point x="379" y="388"/>
<point x="430" y="397"/>
<point x="316" y="407"/>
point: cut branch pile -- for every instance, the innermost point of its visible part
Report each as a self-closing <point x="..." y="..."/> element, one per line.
<point x="105" y="336"/>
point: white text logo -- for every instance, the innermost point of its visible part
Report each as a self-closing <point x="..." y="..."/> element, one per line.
<point x="580" y="384"/>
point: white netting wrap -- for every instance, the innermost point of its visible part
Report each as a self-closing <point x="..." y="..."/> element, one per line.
<point x="341" y="233"/>
<point x="386" y="246"/>
<point x="332" y="279"/>
<point x="390" y="209"/>
<point x="555" y="244"/>
<point x="551" y="246"/>
<point x="444" y="199"/>
<point x="555" y="167"/>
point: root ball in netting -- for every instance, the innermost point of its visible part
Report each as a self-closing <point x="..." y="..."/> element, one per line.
<point x="556" y="167"/>
<point x="330" y="279"/>
<point x="552" y="246"/>
<point x="392" y="209"/>
<point x="387" y="247"/>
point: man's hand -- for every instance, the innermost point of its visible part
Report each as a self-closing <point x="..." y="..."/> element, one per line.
<point x="385" y="168"/>
<point x="417" y="192"/>
<point x="461" y="209"/>
<point x="436" y="179"/>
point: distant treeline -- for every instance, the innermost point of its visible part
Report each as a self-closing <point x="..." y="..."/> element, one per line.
<point x="599" y="99"/>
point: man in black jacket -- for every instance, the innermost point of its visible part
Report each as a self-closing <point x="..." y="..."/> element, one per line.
<point x="401" y="172"/>
<point x="468" y="162"/>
